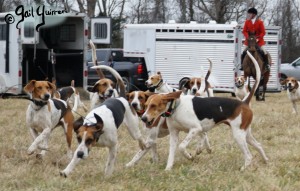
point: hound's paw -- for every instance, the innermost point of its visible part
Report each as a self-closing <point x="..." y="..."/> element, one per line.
<point x="31" y="150"/>
<point x="209" y="150"/>
<point x="63" y="174"/>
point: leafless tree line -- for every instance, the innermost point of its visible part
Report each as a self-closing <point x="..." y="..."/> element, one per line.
<point x="284" y="13"/>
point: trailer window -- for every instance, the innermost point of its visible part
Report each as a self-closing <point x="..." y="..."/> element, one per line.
<point x="100" y="30"/>
<point x="220" y="31"/>
<point x="68" y="33"/>
<point x="3" y="32"/>
<point x="229" y="31"/>
<point x="28" y="29"/>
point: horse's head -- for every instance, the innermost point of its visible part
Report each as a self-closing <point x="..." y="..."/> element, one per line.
<point x="252" y="41"/>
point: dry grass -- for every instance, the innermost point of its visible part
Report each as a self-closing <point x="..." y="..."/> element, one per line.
<point x="274" y="126"/>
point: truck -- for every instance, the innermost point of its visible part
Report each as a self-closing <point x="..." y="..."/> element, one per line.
<point x="180" y="51"/>
<point x="132" y="69"/>
<point x="56" y="50"/>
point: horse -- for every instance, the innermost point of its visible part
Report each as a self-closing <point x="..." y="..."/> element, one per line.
<point x="249" y="69"/>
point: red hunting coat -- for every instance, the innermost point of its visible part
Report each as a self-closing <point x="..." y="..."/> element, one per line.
<point x="258" y="28"/>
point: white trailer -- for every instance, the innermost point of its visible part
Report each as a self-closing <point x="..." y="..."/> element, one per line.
<point x="58" y="49"/>
<point x="181" y="50"/>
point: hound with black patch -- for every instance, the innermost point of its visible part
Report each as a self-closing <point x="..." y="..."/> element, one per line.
<point x="71" y="95"/>
<point x="137" y="99"/>
<point x="44" y="114"/>
<point x="99" y="128"/>
<point x="196" y="115"/>
<point x="293" y="91"/>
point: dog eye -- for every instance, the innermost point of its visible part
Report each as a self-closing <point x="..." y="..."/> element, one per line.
<point x="89" y="141"/>
<point x="131" y="97"/>
<point x="79" y="139"/>
<point x="140" y="97"/>
<point x="39" y="88"/>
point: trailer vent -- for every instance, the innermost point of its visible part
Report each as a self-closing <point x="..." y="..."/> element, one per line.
<point x="100" y="30"/>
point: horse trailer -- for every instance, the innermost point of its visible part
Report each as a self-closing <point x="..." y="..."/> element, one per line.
<point x="180" y="50"/>
<point x="57" y="50"/>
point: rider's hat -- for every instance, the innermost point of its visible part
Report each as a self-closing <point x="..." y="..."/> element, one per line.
<point x="252" y="10"/>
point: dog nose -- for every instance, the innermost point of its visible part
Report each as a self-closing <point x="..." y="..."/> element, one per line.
<point x="134" y="105"/>
<point x="144" y="119"/>
<point x="194" y="90"/>
<point x="146" y="83"/>
<point x="47" y="96"/>
<point x="111" y="91"/>
<point x="80" y="154"/>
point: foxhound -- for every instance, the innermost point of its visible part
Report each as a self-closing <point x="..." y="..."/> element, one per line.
<point x="195" y="115"/>
<point x="44" y="114"/>
<point x="71" y="95"/>
<point x="293" y="91"/>
<point x="241" y="87"/>
<point x="137" y="99"/>
<point x="103" y="88"/>
<point x="194" y="85"/>
<point x="99" y="128"/>
<point x="156" y="81"/>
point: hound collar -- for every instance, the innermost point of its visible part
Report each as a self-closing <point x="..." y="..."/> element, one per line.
<point x="171" y="109"/>
<point x="159" y="85"/>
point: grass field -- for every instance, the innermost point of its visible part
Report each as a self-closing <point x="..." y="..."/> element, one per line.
<point x="274" y="126"/>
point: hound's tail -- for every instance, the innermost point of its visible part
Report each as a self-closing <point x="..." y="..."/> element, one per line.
<point x="209" y="70"/>
<point x="207" y="76"/>
<point x="95" y="62"/>
<point x="258" y="74"/>
<point x="116" y="75"/>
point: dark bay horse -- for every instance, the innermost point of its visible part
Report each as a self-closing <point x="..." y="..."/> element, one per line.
<point x="249" y="69"/>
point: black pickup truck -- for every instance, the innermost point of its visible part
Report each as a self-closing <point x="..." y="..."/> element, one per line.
<point x="132" y="70"/>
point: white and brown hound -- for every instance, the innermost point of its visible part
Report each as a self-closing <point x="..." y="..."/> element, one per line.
<point x="137" y="99"/>
<point x="241" y="87"/>
<point x="156" y="81"/>
<point x="193" y="86"/>
<point x="196" y="115"/>
<point x="103" y="88"/>
<point x="44" y="114"/>
<point x="293" y="91"/>
<point x="99" y="128"/>
<point x="71" y="95"/>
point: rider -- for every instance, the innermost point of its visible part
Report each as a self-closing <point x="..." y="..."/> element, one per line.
<point x="255" y="25"/>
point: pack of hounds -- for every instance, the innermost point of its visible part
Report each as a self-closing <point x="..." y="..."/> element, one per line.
<point x="167" y="111"/>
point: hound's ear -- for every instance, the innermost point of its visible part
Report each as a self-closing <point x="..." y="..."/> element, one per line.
<point x="52" y="86"/>
<point x="99" y="121"/>
<point x="187" y="84"/>
<point x="127" y="96"/>
<point x="77" y="124"/>
<point x="158" y="73"/>
<point x="94" y="88"/>
<point x="30" y="86"/>
<point x="172" y="96"/>
<point x="283" y="82"/>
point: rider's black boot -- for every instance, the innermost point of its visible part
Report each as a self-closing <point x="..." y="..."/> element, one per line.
<point x="242" y="59"/>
